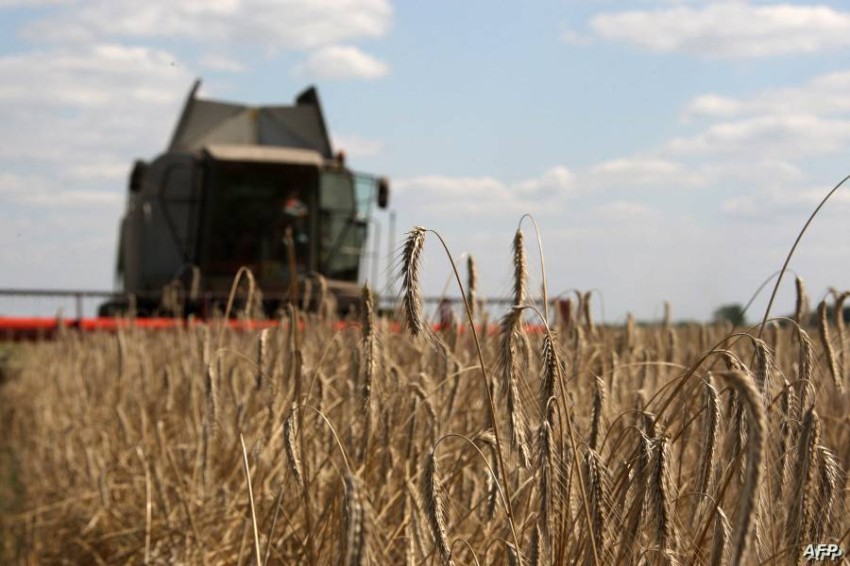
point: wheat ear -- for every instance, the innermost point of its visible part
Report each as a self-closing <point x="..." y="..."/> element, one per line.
<point x="261" y="358"/>
<point x="831" y="358"/>
<point x="637" y="509"/>
<point x="721" y="538"/>
<point x="353" y="526"/>
<point x="801" y="307"/>
<point x="829" y="478"/>
<point x="435" y="508"/>
<point x="840" y="326"/>
<point x="293" y="452"/>
<point x="510" y="376"/>
<point x="661" y="494"/>
<point x="801" y="513"/>
<point x="596" y="412"/>
<point x="757" y="430"/>
<point x="412" y="301"/>
<point x="588" y="313"/>
<point x="370" y="358"/>
<point x="789" y="409"/>
<point x="764" y="368"/>
<point x="597" y="491"/>
<point x="546" y="453"/>
<point x="471" y="285"/>
<point x="520" y="269"/>
<point x="710" y="437"/>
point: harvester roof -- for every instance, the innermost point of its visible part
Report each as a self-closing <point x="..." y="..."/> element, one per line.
<point x="205" y="123"/>
<point x="264" y="154"/>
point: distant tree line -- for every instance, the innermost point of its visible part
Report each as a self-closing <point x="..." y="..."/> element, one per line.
<point x="735" y="314"/>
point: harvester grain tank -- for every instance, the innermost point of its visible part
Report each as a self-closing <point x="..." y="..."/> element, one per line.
<point x="235" y="182"/>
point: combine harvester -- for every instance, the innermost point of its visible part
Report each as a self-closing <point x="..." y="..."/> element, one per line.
<point x="239" y="186"/>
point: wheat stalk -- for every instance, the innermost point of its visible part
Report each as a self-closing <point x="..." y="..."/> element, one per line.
<point x="259" y="555"/>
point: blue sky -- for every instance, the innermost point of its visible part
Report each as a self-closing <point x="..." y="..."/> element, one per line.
<point x="670" y="150"/>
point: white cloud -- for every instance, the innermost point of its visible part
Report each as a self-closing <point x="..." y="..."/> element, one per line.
<point x="765" y="137"/>
<point x="575" y="38"/>
<point x="299" y="24"/>
<point x="554" y="183"/>
<point x="342" y="62"/>
<point x="772" y="135"/>
<point x="713" y="105"/>
<point x="81" y="198"/>
<point x="221" y="63"/>
<point x="445" y="186"/>
<point x="756" y="171"/>
<point x="461" y="196"/>
<point x="77" y="116"/>
<point x="88" y="105"/>
<point x="549" y="192"/>
<point x="89" y="76"/>
<point x="43" y="192"/>
<point x="356" y="146"/>
<point x="824" y="95"/>
<point x="768" y="202"/>
<point x="103" y="170"/>
<point x="729" y="29"/>
<point x="643" y="172"/>
<point x="10" y="183"/>
<point x="30" y="3"/>
<point x="621" y="211"/>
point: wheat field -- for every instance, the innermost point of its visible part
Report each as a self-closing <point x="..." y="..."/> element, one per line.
<point x="540" y="438"/>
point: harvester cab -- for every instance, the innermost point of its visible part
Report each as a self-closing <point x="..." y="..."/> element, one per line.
<point x="244" y="186"/>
